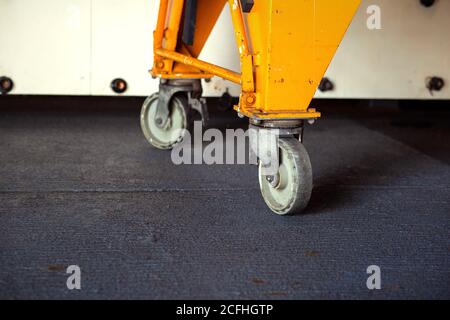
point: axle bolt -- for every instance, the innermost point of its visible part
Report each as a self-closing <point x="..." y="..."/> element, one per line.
<point x="250" y="100"/>
<point x="160" y="64"/>
<point x="274" y="180"/>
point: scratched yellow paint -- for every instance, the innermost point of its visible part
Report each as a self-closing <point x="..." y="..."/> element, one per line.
<point x="285" y="49"/>
<point x="296" y="41"/>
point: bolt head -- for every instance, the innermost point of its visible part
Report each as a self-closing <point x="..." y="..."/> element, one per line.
<point x="160" y="64"/>
<point x="250" y="100"/>
<point x="274" y="180"/>
<point x="435" y="83"/>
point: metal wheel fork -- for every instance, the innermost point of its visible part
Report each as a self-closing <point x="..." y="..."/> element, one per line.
<point x="285" y="173"/>
<point x="169" y="88"/>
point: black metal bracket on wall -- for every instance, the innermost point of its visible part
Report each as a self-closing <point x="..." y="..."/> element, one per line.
<point x="190" y="19"/>
<point x="247" y="5"/>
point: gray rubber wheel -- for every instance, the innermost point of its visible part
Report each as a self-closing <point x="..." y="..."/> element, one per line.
<point x="290" y="191"/>
<point x="174" y="132"/>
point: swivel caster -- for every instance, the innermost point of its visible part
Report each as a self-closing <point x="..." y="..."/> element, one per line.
<point x="289" y="191"/>
<point x="177" y="124"/>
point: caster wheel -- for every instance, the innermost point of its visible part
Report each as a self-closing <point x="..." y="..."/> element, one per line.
<point x="176" y="128"/>
<point x="290" y="190"/>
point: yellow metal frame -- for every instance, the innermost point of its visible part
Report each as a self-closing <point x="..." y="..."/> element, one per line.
<point x="285" y="47"/>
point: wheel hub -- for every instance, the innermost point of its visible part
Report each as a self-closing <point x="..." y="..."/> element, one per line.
<point x="289" y="190"/>
<point x="164" y="135"/>
<point x="274" y="180"/>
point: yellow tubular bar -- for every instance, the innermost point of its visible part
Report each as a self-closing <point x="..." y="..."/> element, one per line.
<point x="201" y="65"/>
<point x="158" y="35"/>
<point x="243" y="46"/>
<point x="238" y="22"/>
<point x="176" y="13"/>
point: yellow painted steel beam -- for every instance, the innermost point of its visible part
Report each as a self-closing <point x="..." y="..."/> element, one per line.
<point x="293" y="43"/>
<point x="158" y="34"/>
<point x="240" y="33"/>
<point x="285" y="47"/>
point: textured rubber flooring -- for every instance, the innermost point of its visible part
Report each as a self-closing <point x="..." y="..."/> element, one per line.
<point x="83" y="187"/>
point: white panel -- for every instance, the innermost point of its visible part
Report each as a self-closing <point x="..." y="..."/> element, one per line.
<point x="122" y="45"/>
<point x="49" y="47"/>
<point x="394" y="62"/>
<point x="221" y="49"/>
<point x="44" y="45"/>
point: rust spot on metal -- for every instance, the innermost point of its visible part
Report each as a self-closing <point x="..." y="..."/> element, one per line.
<point x="312" y="253"/>
<point x="56" y="267"/>
<point x="258" y="281"/>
